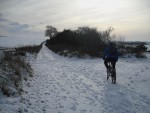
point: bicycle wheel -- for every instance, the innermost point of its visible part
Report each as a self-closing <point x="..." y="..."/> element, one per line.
<point x="109" y="70"/>
<point x="113" y="77"/>
<point x="108" y="74"/>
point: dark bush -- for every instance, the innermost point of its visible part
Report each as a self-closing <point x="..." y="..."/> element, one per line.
<point x="85" y="40"/>
<point x="140" y="48"/>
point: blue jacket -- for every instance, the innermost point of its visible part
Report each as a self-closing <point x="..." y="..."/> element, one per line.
<point x="108" y="55"/>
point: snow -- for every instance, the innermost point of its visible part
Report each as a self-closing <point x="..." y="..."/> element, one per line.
<point x="148" y="46"/>
<point x="72" y="85"/>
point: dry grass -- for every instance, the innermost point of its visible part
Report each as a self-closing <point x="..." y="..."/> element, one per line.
<point x="14" y="69"/>
<point x="140" y="55"/>
<point x="30" y="48"/>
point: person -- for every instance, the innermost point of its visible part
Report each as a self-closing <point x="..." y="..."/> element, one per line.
<point x="110" y="55"/>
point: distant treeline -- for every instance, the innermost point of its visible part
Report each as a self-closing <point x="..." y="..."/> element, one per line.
<point x="133" y="43"/>
<point x="84" y="40"/>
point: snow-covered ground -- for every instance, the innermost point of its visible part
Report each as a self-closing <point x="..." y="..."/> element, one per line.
<point x="148" y="46"/>
<point x="63" y="85"/>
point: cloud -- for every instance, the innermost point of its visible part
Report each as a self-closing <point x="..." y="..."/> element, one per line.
<point x="31" y="16"/>
<point x="12" y="26"/>
<point x="3" y="19"/>
<point x="2" y="36"/>
<point x="15" y="29"/>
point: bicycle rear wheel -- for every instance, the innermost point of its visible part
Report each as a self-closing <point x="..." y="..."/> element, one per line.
<point x="113" y="77"/>
<point x="108" y="74"/>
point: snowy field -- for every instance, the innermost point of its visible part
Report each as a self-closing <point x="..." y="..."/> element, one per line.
<point x="64" y="85"/>
<point x="148" y="47"/>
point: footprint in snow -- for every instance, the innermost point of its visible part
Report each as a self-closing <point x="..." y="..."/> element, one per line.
<point x="128" y="84"/>
<point x="42" y="101"/>
<point x="47" y="93"/>
<point x="91" y="101"/>
<point x="83" y="111"/>
<point x="147" y="68"/>
<point x="142" y="70"/>
<point x="136" y="74"/>
<point x="64" y="98"/>
<point x="73" y="108"/>
<point x="130" y="77"/>
<point x="132" y="81"/>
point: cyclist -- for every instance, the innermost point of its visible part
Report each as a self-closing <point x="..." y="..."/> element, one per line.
<point x="110" y="55"/>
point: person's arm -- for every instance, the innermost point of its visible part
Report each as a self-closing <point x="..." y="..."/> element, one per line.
<point x="117" y="54"/>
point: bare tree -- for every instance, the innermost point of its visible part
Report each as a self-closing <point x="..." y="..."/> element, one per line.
<point x="106" y="35"/>
<point x="50" y="31"/>
<point x="121" y="39"/>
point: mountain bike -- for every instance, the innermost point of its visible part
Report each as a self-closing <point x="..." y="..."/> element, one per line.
<point x="111" y="72"/>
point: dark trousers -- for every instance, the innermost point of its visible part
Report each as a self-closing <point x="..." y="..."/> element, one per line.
<point x="112" y="62"/>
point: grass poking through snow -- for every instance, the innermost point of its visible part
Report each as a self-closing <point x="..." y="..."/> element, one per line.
<point x="14" y="69"/>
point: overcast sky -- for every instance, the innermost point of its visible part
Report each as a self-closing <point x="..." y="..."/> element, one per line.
<point x="28" y="18"/>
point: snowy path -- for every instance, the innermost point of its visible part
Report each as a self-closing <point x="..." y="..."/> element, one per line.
<point x="63" y="85"/>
